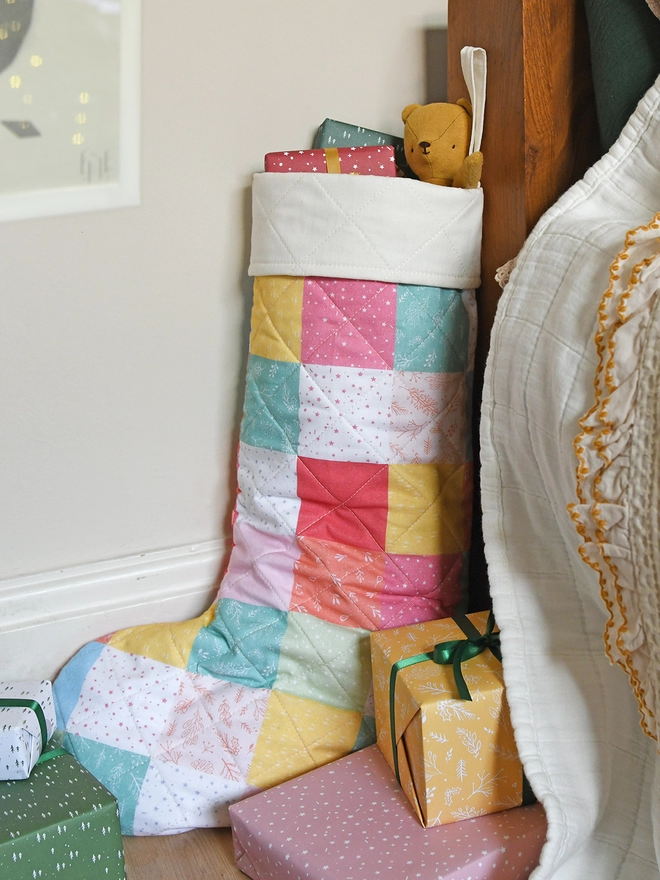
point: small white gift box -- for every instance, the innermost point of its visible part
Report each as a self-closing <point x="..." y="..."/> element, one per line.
<point x="27" y="721"/>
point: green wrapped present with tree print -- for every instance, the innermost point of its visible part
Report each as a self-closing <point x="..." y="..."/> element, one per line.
<point x="61" y="822"/>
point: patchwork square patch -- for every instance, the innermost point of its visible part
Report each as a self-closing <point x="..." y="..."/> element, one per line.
<point x="324" y="662"/>
<point x="242" y="644"/>
<point x="418" y="588"/>
<point x="174" y="798"/>
<point x="270" y="414"/>
<point x="338" y="583"/>
<point x="268" y="483"/>
<point x="344" y="502"/>
<point x="260" y="570"/>
<point x="432" y="330"/>
<point x="116" y="702"/>
<point x="429" y="418"/>
<point x="298" y="735"/>
<point x="349" y="323"/>
<point x="276" y="317"/>
<point x="426" y="509"/>
<point x="345" y="414"/>
<point x="121" y="772"/>
<point x="168" y="643"/>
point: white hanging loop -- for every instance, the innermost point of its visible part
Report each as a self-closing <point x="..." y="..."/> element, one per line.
<point x="473" y="65"/>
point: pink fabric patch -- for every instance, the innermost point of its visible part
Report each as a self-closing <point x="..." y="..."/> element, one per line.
<point x="343" y="501"/>
<point x="338" y="583"/>
<point x="261" y="567"/>
<point x="349" y="323"/>
<point x="419" y="588"/>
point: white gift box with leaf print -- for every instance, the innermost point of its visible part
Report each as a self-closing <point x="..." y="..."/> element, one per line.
<point x="21" y="741"/>
<point x="457" y="759"/>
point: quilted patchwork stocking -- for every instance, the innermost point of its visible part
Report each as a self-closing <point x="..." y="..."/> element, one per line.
<point x="352" y="515"/>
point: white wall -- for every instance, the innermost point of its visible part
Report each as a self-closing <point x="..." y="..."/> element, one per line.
<point x="123" y="332"/>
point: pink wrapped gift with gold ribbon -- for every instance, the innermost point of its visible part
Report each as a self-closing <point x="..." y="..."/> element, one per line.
<point x="377" y="161"/>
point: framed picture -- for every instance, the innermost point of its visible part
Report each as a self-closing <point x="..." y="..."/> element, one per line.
<point x="69" y="106"/>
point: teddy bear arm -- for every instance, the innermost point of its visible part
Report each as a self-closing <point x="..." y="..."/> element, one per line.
<point x="469" y="173"/>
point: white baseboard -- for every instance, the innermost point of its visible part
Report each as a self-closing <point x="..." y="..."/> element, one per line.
<point x="46" y="618"/>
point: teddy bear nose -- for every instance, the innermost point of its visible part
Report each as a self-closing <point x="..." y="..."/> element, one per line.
<point x="425" y="146"/>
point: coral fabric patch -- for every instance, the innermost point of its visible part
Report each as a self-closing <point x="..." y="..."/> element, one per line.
<point x="276" y="317"/>
<point x="343" y="501"/>
<point x="349" y="323"/>
<point x="338" y="583"/>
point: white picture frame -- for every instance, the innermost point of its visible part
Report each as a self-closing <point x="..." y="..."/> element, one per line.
<point x="68" y="150"/>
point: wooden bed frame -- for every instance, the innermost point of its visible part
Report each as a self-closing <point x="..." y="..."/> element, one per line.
<point x="540" y="136"/>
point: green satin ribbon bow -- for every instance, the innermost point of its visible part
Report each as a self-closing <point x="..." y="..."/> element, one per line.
<point x="11" y="702"/>
<point x="453" y="653"/>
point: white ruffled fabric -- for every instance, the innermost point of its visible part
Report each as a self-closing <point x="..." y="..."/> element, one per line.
<point x="576" y="717"/>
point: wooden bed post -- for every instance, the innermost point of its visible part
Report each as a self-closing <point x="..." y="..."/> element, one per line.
<point x="540" y="136"/>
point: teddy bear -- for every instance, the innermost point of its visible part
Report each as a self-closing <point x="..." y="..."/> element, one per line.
<point x="436" y="142"/>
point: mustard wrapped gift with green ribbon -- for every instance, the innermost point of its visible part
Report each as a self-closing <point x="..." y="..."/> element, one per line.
<point x="439" y="696"/>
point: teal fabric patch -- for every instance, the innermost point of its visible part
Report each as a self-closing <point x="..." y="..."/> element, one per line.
<point x="432" y="330"/>
<point x="272" y="403"/>
<point x="325" y="662"/>
<point x="241" y="645"/>
<point x="366" y="734"/>
<point x="67" y="685"/>
<point x="120" y="771"/>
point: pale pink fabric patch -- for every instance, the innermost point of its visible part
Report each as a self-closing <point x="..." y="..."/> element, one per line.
<point x="261" y="568"/>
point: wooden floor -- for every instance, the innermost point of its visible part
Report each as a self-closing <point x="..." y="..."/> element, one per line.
<point x="206" y="854"/>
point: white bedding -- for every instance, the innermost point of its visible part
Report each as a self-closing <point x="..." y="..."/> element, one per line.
<point x="576" y="717"/>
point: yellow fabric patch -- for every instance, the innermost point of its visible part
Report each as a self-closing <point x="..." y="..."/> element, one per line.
<point x="277" y="318"/>
<point x="426" y="509"/>
<point x="298" y="735"/>
<point x="169" y="643"/>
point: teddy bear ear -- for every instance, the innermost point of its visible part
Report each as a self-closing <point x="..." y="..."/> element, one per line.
<point x="465" y="104"/>
<point x="408" y="110"/>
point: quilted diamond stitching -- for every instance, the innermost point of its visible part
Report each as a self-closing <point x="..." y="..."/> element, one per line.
<point x="253" y="414"/>
<point x="261" y="489"/>
<point x="376" y="454"/>
<point x="337" y="584"/>
<point x="286" y="758"/>
<point x="453" y="450"/>
<point x="273" y="323"/>
<point x="413" y="489"/>
<point x="435" y="318"/>
<point x="440" y="231"/>
<point x="342" y="504"/>
<point x="350" y="318"/>
<point x="264" y="673"/>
